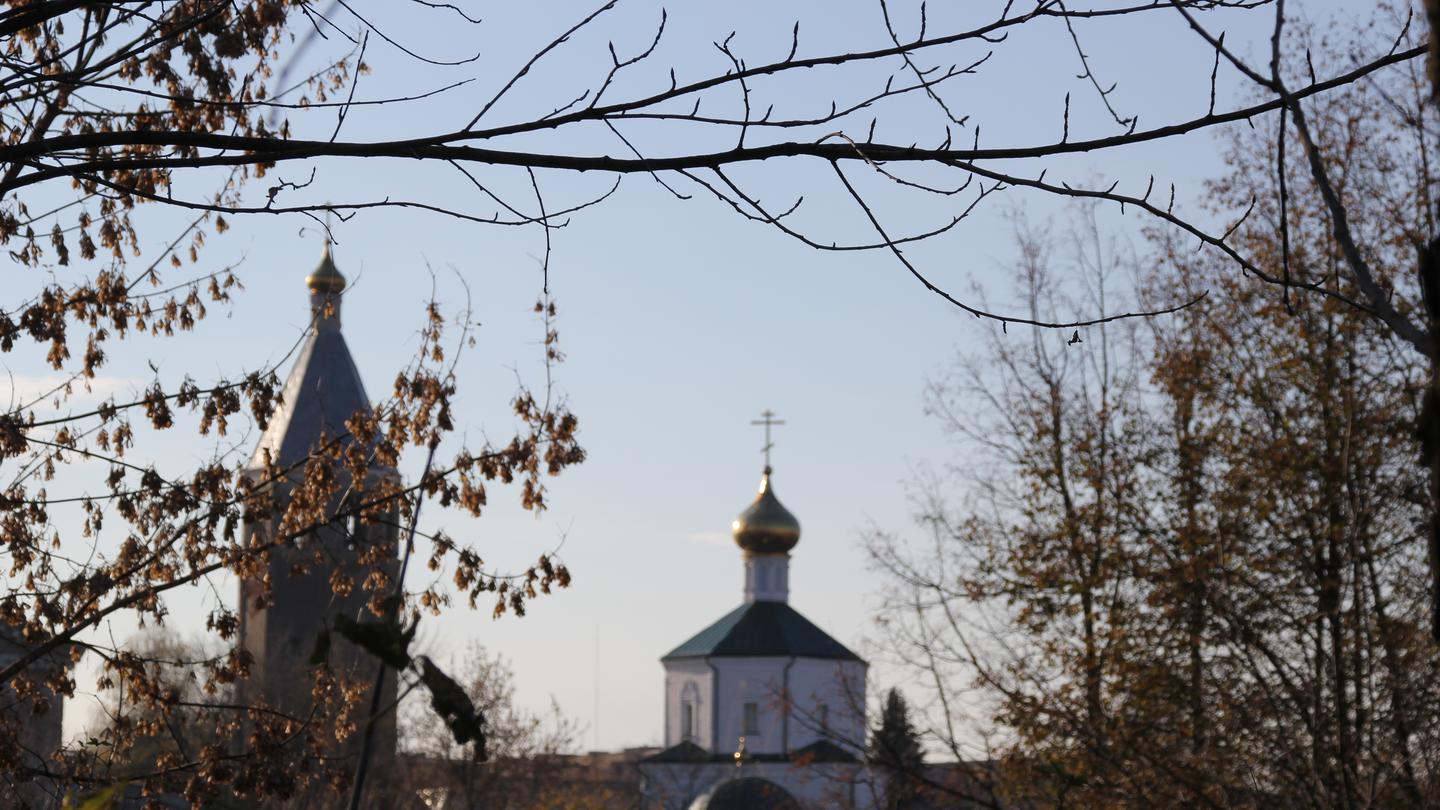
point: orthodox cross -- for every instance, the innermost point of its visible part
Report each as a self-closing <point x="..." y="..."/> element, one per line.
<point x="768" y="420"/>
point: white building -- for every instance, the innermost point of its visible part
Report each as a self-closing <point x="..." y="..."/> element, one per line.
<point x="763" y="709"/>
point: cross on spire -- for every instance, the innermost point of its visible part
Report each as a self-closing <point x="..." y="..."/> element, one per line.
<point x="767" y="418"/>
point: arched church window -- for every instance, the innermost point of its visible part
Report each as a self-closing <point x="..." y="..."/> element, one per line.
<point x="689" y="712"/>
<point x="823" y="715"/>
<point x="352" y="533"/>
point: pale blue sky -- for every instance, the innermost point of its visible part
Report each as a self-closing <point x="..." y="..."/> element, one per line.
<point x="681" y="320"/>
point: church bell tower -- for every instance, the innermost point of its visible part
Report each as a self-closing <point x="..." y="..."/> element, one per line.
<point x="306" y="582"/>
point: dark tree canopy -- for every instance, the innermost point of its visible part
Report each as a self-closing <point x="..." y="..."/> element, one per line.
<point x="895" y="747"/>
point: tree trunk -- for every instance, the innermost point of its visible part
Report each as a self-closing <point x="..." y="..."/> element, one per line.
<point x="1429" y="428"/>
<point x="1332" y="570"/>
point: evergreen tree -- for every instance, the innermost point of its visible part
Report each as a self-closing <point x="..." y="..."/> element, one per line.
<point x="895" y="748"/>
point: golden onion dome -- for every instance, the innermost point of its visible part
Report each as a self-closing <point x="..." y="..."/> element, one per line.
<point x="766" y="526"/>
<point x="325" y="278"/>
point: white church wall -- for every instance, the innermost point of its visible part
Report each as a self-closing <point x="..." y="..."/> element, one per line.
<point x="689" y="678"/>
<point x="756" y="682"/>
<point x="828" y="702"/>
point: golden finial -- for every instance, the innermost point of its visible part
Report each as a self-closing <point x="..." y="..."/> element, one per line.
<point x="325" y="278"/>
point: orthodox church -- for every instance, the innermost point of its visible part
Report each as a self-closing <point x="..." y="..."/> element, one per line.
<point x="763" y="709"/>
<point x="280" y="629"/>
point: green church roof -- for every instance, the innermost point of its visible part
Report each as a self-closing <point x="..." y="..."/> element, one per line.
<point x="762" y="629"/>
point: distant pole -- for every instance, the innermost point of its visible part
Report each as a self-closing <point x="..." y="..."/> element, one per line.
<point x="597" y="687"/>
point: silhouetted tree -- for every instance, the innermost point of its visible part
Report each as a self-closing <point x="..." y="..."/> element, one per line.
<point x="896" y="749"/>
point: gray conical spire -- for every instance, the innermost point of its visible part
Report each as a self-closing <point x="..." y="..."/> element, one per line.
<point x="324" y="388"/>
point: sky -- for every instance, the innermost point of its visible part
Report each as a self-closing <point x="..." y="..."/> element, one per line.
<point x="681" y="321"/>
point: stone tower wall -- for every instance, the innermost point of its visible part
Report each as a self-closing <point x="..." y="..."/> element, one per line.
<point x="281" y="635"/>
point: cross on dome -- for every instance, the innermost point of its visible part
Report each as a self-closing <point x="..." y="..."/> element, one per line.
<point x="767" y="418"/>
<point x="766" y="527"/>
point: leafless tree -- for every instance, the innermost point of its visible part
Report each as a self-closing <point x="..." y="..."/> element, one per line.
<point x="1187" y="570"/>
